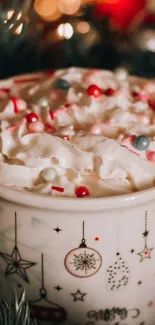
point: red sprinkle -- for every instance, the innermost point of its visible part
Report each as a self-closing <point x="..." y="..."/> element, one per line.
<point x="152" y="104"/>
<point x="109" y="92"/>
<point x="58" y="189"/>
<point x="67" y="137"/>
<point x="32" y="117"/>
<point x="151" y="156"/>
<point x="97" y="238"/>
<point x="49" y="128"/>
<point x="23" y="81"/>
<point x="82" y="191"/>
<point x="94" y="91"/>
<point x="49" y="71"/>
<point x="137" y="154"/>
<point x="14" y="101"/>
<point x="4" y="90"/>
<point x="52" y="115"/>
<point x="140" y="96"/>
<point x="131" y="138"/>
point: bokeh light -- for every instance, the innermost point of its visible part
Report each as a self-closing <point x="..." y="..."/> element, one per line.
<point x="45" y="7"/>
<point x="65" y="31"/>
<point x="83" y="27"/>
<point x="69" y="7"/>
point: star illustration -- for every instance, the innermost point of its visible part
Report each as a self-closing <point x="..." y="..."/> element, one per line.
<point x="139" y="282"/>
<point x="145" y="233"/>
<point x="57" y="229"/>
<point x="78" y="296"/>
<point x="146" y="253"/>
<point x="132" y="251"/>
<point x="16" y="265"/>
<point x="58" y="288"/>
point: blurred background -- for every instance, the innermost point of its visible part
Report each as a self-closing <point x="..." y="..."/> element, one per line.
<point x="49" y="34"/>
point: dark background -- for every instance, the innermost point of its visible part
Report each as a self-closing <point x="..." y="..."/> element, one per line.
<point x="121" y="34"/>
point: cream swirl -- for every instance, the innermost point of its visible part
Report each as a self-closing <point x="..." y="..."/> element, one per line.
<point x="84" y="140"/>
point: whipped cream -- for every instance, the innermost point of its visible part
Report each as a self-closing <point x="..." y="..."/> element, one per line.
<point x="80" y="140"/>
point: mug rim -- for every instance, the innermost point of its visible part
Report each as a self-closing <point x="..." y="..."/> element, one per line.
<point x="35" y="200"/>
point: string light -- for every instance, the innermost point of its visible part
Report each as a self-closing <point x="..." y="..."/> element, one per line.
<point x="69" y="7"/>
<point x="19" y="29"/>
<point x="65" y="31"/>
<point x="83" y="27"/>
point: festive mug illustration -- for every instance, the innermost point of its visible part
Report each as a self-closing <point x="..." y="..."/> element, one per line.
<point x="15" y="263"/>
<point x="146" y="252"/>
<point x="42" y="308"/>
<point x="118" y="272"/>
<point x="83" y="261"/>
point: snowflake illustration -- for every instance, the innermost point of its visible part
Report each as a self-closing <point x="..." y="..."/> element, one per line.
<point x="84" y="262"/>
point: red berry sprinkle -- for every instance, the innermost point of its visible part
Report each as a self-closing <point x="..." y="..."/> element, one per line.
<point x="67" y="137"/>
<point x="32" y="117"/>
<point x="109" y="92"/>
<point x="152" y="104"/>
<point x="97" y="238"/>
<point x="151" y="156"/>
<point x="82" y="191"/>
<point x="94" y="91"/>
<point x="58" y="189"/>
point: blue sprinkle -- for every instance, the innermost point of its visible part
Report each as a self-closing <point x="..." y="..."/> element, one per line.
<point x="141" y="142"/>
<point x="62" y="84"/>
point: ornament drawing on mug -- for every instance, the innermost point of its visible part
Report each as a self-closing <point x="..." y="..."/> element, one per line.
<point x="15" y="263"/>
<point x="146" y="252"/>
<point x="44" y="309"/>
<point x="118" y="272"/>
<point x="83" y="261"/>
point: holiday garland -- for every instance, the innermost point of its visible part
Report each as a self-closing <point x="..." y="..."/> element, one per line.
<point x="16" y="314"/>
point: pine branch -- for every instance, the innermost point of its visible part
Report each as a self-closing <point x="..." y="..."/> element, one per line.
<point x="16" y="314"/>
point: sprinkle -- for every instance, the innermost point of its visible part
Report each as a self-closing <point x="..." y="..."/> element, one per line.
<point x="151" y="156"/>
<point x="58" y="189"/>
<point x="131" y="138"/>
<point x="19" y="104"/>
<point x="67" y="137"/>
<point x="22" y="81"/>
<point x="141" y="142"/>
<point x="107" y="122"/>
<point x="137" y="154"/>
<point x="140" y="96"/>
<point x="52" y="115"/>
<point x="32" y="117"/>
<point x="4" y="90"/>
<point x="94" y="91"/>
<point x="151" y="103"/>
<point x="50" y="128"/>
<point x="82" y="191"/>
<point x="109" y="92"/>
<point x="50" y="71"/>
<point x="62" y="84"/>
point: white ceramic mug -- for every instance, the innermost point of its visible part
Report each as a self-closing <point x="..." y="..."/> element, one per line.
<point x="82" y="261"/>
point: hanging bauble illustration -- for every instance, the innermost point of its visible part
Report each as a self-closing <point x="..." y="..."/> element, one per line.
<point x="43" y="309"/>
<point x="83" y="261"/>
<point x="118" y="274"/>
<point x="146" y="252"/>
